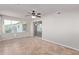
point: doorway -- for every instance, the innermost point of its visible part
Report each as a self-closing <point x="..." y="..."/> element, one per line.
<point x="38" y="28"/>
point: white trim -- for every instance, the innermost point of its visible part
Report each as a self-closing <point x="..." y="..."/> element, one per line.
<point x="60" y="44"/>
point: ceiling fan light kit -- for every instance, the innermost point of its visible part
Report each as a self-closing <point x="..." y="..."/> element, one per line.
<point x="33" y="16"/>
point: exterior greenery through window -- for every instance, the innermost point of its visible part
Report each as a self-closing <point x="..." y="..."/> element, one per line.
<point x="12" y="26"/>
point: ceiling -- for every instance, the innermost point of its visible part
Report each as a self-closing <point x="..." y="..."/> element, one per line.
<point x="20" y="10"/>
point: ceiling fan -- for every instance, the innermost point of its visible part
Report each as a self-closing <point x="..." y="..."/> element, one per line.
<point x="34" y="14"/>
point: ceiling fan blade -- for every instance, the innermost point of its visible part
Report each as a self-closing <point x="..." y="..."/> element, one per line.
<point x="27" y="15"/>
<point x="28" y="12"/>
<point x="38" y="13"/>
<point x="33" y="14"/>
<point x="38" y="16"/>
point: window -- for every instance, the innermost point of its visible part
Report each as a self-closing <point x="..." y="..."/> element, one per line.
<point x="7" y="26"/>
<point x="11" y="26"/>
<point x="24" y="27"/>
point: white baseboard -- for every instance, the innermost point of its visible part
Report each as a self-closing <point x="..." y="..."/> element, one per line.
<point x="61" y="44"/>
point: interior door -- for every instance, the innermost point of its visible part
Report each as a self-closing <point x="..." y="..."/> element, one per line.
<point x="38" y="28"/>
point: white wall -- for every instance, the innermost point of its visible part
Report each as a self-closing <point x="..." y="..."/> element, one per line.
<point x="15" y="35"/>
<point x="62" y="29"/>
